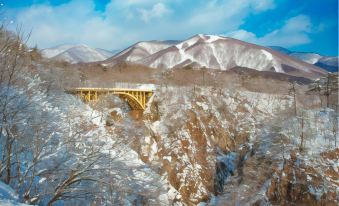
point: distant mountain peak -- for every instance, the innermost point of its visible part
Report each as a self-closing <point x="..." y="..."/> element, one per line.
<point x="140" y="50"/>
<point x="328" y="63"/>
<point x="76" y="53"/>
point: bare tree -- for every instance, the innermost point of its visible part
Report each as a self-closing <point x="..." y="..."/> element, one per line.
<point x="335" y="129"/>
<point x="13" y="57"/>
<point x="293" y="92"/>
<point x="331" y="86"/>
<point x="325" y="86"/>
<point x="302" y="134"/>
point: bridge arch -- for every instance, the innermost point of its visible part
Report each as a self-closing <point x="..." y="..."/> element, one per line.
<point x="137" y="98"/>
<point x="132" y="100"/>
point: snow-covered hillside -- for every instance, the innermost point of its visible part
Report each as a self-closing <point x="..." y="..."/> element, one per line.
<point x="326" y="62"/>
<point x="76" y="53"/>
<point x="214" y="52"/>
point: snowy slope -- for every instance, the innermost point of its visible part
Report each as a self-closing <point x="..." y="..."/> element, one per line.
<point x="76" y="53"/>
<point x="217" y="52"/>
<point x="280" y="49"/>
<point x="106" y="52"/>
<point x="54" y="51"/>
<point x="310" y="58"/>
<point x="329" y="63"/>
<point x="82" y="53"/>
<point x="8" y="197"/>
<point x="140" y="51"/>
<point x="326" y="62"/>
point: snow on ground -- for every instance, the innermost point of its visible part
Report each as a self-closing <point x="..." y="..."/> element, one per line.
<point x="213" y="38"/>
<point x="319" y="130"/>
<point x="8" y="197"/>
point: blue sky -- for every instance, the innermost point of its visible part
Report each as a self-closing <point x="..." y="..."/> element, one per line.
<point x="300" y="25"/>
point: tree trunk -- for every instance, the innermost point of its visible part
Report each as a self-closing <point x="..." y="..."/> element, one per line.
<point x="55" y="198"/>
<point x="8" y="162"/>
<point x="295" y="105"/>
<point x="302" y="134"/>
<point x="328" y="91"/>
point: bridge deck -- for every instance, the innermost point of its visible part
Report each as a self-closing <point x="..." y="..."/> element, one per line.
<point x="98" y="89"/>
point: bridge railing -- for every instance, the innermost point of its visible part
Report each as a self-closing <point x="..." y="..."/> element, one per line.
<point x="128" y="86"/>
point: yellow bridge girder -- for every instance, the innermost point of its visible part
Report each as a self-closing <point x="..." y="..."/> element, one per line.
<point x="136" y="98"/>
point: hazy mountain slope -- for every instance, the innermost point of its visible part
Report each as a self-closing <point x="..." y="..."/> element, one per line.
<point x="280" y="49"/>
<point x="82" y="53"/>
<point x="326" y="62"/>
<point x="310" y="58"/>
<point x="223" y="53"/>
<point x="106" y="52"/>
<point x="140" y="50"/>
<point x="76" y="53"/>
<point x="54" y="51"/>
<point x="331" y="64"/>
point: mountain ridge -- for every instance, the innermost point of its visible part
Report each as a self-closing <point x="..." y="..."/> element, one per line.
<point x="214" y="52"/>
<point x="198" y="51"/>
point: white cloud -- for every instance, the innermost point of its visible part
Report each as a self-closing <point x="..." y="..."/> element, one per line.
<point x="294" y="32"/>
<point x="158" y="10"/>
<point x="243" y="35"/>
<point x="263" y="5"/>
<point x="127" y="21"/>
<point x="216" y="15"/>
<point x="74" y="22"/>
<point x="128" y="3"/>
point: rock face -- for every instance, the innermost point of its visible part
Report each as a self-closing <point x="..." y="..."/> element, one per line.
<point x="301" y="184"/>
<point x="194" y="138"/>
<point x="222" y="147"/>
<point x="213" y="52"/>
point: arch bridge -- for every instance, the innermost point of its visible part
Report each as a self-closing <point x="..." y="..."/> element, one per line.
<point x="136" y="98"/>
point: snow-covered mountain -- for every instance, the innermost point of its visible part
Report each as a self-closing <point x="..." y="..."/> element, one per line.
<point x="326" y="62"/>
<point x="54" y="51"/>
<point x="141" y="50"/>
<point x="214" y="52"/>
<point x="76" y="53"/>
